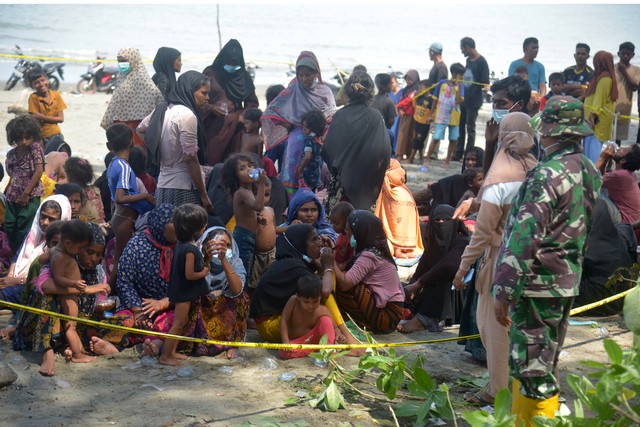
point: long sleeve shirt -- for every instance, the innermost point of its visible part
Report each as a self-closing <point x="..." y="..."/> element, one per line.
<point x="546" y="230"/>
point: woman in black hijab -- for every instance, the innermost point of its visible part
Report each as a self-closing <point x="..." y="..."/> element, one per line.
<point x="430" y="291"/>
<point x="356" y="148"/>
<point x="178" y="152"/>
<point x="167" y="63"/>
<point x="232" y="92"/>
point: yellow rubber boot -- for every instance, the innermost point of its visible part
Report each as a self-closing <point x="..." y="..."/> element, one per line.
<point x="526" y="408"/>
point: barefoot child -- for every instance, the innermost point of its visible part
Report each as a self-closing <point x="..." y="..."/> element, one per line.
<point x="265" y="253"/>
<point x="46" y="106"/>
<point x="236" y="175"/>
<point x="448" y="96"/>
<point x="251" y="139"/>
<point x="25" y="164"/>
<point x="74" y="236"/>
<point x="304" y="320"/>
<point x="188" y="271"/>
<point x="126" y="201"/>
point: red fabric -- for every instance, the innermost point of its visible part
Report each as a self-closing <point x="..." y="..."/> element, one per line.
<point x="342" y="250"/>
<point x="149" y="183"/>
<point x="269" y="168"/>
<point x="323" y="327"/>
<point x="406" y="105"/>
<point x="165" y="257"/>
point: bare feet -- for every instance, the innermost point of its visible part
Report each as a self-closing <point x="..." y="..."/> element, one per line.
<point x="354" y="352"/>
<point x="169" y="360"/>
<point x="151" y="348"/>
<point x="181" y="356"/>
<point x="102" y="347"/>
<point x="83" y="358"/>
<point x="6" y="334"/>
<point x="234" y="353"/>
<point x="68" y="354"/>
<point x="412" y="325"/>
<point x="48" y="365"/>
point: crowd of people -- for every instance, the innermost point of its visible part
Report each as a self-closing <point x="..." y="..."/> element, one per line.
<point x="214" y="216"/>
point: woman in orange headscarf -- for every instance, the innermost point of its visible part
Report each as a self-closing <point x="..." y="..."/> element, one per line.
<point x="399" y="214"/>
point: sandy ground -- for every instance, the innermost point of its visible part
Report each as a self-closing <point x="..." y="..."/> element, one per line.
<point x="117" y="390"/>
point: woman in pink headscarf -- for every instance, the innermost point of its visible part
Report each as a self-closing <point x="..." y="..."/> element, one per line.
<point x="282" y="120"/>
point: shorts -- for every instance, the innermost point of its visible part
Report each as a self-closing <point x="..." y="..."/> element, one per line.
<point x="454" y="132"/>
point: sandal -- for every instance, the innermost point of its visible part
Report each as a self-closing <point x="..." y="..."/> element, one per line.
<point x="476" y="399"/>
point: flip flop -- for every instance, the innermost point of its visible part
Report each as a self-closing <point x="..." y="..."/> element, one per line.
<point x="476" y="399"/>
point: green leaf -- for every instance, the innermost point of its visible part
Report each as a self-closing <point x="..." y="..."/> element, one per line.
<point x="581" y="386"/>
<point x="593" y="364"/>
<point x="630" y="310"/>
<point x="292" y="401"/>
<point x="423" y="412"/>
<point x="334" y="399"/>
<point x="613" y="350"/>
<point x="502" y="405"/>
<point x="477" y="418"/>
<point x="424" y="380"/>
<point x="406" y="409"/>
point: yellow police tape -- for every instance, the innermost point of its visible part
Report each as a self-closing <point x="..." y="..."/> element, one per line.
<point x="279" y="346"/>
<point x="595" y="109"/>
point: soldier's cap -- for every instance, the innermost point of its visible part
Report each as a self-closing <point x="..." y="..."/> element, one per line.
<point x="563" y="115"/>
<point x="436" y="47"/>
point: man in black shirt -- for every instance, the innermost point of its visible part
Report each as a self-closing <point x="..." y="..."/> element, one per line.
<point x="577" y="77"/>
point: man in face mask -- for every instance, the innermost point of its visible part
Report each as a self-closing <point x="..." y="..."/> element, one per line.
<point x="509" y="95"/>
<point x="539" y="266"/>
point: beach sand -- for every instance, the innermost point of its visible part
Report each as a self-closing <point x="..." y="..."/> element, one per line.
<point x="117" y="390"/>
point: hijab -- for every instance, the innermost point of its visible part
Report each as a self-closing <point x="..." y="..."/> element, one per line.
<point x="238" y="85"/>
<point x="33" y="245"/>
<point x="603" y="67"/>
<point x="217" y="278"/>
<point x="136" y="95"/>
<point x="294" y="102"/>
<point x="367" y="229"/>
<point x="157" y="220"/>
<point x="279" y="281"/>
<point x="305" y="195"/>
<point x="512" y="159"/>
<point x="182" y="94"/>
<point x="163" y="64"/>
<point x="357" y="150"/>
<point x="413" y="75"/>
<point x="443" y="235"/>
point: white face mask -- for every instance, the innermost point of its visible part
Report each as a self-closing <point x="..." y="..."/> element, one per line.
<point x="216" y="259"/>
<point x="498" y="114"/>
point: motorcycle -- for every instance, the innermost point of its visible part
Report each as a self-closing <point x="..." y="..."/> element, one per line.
<point x="25" y="66"/>
<point x="99" y="78"/>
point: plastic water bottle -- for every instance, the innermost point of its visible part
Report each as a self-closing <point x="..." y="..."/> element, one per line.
<point x="255" y="173"/>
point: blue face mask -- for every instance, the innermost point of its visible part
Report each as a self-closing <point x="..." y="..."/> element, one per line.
<point x="352" y="242"/>
<point x="307" y="258"/>
<point x="217" y="261"/>
<point x="231" y="68"/>
<point x="124" y="67"/>
<point x="498" y="115"/>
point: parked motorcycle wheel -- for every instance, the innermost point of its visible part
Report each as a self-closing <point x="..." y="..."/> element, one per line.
<point x="86" y="86"/>
<point x="54" y="83"/>
<point x="11" y="82"/>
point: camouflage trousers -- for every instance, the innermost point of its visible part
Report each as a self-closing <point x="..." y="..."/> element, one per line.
<point x="538" y="329"/>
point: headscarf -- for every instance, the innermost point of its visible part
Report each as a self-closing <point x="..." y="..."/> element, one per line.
<point x="443" y="236"/>
<point x="163" y="64"/>
<point x="182" y="94"/>
<point x="294" y="102"/>
<point x="97" y="236"/>
<point x="512" y="159"/>
<point x="603" y="67"/>
<point x="280" y="281"/>
<point x="87" y="303"/>
<point x="305" y="195"/>
<point x="217" y="278"/>
<point x="415" y="76"/>
<point x="33" y="245"/>
<point x="357" y="150"/>
<point x="135" y="96"/>
<point x="238" y="85"/>
<point x="367" y="229"/>
<point x="157" y="220"/>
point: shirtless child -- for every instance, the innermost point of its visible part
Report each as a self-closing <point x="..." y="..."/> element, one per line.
<point x="265" y="253"/>
<point x="237" y="177"/>
<point x="74" y="236"/>
<point x="304" y="320"/>
<point x="251" y="138"/>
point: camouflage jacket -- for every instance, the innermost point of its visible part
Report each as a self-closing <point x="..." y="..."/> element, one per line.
<point x="546" y="231"/>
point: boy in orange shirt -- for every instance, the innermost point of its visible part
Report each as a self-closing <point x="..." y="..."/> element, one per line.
<point x="47" y="106"/>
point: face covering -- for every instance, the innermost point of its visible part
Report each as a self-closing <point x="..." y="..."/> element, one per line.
<point x="498" y="114"/>
<point x="352" y="242"/>
<point x="231" y="68"/>
<point x="124" y="67"/>
<point x="307" y="258"/>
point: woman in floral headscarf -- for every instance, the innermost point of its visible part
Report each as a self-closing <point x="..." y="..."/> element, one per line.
<point x="282" y="120"/>
<point x="136" y="95"/>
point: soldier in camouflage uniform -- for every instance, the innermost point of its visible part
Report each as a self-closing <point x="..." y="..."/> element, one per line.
<point x="540" y="261"/>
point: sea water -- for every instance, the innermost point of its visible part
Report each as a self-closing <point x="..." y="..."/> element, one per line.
<point x="383" y="37"/>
